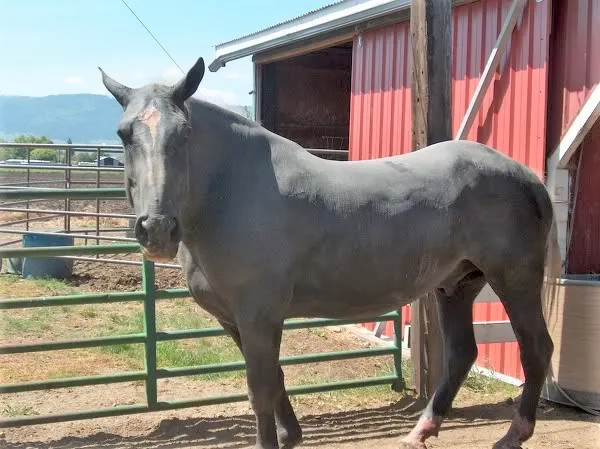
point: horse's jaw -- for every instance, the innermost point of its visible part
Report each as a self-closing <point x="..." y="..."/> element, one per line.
<point x="162" y="257"/>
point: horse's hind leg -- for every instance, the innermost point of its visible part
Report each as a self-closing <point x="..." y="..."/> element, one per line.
<point x="520" y="290"/>
<point x="455" y="309"/>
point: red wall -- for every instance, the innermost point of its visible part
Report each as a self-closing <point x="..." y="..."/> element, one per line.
<point x="381" y="76"/>
<point x="511" y="119"/>
<point x="584" y="252"/>
<point x="575" y="61"/>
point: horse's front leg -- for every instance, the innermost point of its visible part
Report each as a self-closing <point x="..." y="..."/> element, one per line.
<point x="288" y="428"/>
<point x="260" y="336"/>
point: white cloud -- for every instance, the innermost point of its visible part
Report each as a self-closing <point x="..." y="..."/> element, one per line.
<point x="72" y="80"/>
<point x="217" y="96"/>
<point x="170" y="76"/>
<point x="234" y="75"/>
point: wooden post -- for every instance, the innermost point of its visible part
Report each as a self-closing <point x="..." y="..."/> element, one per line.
<point x="430" y="26"/>
<point x="500" y="48"/>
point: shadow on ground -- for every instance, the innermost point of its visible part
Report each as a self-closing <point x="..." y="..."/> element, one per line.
<point x="319" y="430"/>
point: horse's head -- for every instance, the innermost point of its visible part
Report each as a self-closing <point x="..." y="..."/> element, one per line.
<point x="155" y="132"/>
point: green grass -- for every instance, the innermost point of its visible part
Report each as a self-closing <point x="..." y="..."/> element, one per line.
<point x="64" y="373"/>
<point x="71" y="322"/>
<point x="174" y="354"/>
<point x="353" y="394"/>
<point x="18" y="410"/>
<point x="11" y="284"/>
<point x="88" y="312"/>
<point x="475" y="382"/>
<point x="479" y="383"/>
<point x="35" y="322"/>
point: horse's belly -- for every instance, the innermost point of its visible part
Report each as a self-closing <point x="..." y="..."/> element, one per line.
<point x="342" y="305"/>
<point x="336" y="295"/>
<point x="368" y="282"/>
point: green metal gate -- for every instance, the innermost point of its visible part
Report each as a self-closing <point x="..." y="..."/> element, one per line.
<point x="150" y="336"/>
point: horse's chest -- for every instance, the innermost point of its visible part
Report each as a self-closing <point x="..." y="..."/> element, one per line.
<point x="202" y="290"/>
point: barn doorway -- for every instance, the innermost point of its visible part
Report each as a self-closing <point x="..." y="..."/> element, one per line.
<point x="306" y="98"/>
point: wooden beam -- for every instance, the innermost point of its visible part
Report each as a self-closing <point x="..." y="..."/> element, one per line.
<point x="430" y="26"/>
<point x="258" y="86"/>
<point x="493" y="332"/>
<point x="557" y="181"/>
<point x="580" y="126"/>
<point x="304" y="48"/>
<point x="500" y="48"/>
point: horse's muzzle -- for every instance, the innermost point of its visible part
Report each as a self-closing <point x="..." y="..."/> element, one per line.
<point x="159" y="235"/>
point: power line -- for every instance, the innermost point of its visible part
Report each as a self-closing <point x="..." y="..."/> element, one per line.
<point x="150" y="33"/>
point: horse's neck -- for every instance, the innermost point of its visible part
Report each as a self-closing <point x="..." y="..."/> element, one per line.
<point x="212" y="148"/>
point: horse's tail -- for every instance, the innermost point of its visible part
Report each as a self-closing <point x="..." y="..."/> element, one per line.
<point x="553" y="268"/>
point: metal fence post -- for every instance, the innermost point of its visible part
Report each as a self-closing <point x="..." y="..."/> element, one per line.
<point x="28" y="184"/>
<point x="148" y="275"/>
<point x="398" y="385"/>
<point x="98" y="199"/>
<point x="68" y="186"/>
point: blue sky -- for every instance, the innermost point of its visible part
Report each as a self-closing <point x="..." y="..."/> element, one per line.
<point x="55" y="46"/>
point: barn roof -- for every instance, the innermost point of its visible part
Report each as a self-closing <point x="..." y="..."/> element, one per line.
<point x="329" y="18"/>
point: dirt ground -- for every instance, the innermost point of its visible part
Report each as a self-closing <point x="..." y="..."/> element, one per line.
<point x="475" y="422"/>
<point x="361" y="418"/>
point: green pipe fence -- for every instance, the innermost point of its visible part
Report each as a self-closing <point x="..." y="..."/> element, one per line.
<point x="60" y="194"/>
<point x="150" y="336"/>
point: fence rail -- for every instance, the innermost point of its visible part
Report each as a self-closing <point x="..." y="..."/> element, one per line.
<point x="66" y="155"/>
<point x="150" y="336"/>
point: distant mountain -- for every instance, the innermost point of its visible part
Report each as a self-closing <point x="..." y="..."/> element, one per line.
<point x="85" y="118"/>
<point x="82" y="117"/>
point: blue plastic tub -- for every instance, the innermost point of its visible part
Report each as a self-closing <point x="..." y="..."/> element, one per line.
<point x="53" y="267"/>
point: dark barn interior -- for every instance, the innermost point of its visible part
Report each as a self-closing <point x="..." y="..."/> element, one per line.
<point x="306" y="99"/>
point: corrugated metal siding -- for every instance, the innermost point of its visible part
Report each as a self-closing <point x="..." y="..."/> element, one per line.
<point x="513" y="112"/>
<point x="511" y="119"/>
<point x="584" y="252"/>
<point x="575" y="73"/>
<point x="380" y="96"/>
<point x="575" y="62"/>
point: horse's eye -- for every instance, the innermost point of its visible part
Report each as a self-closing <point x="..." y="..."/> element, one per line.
<point x="124" y="133"/>
<point x="185" y="131"/>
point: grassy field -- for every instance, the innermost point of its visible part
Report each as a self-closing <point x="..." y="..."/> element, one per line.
<point x="384" y="406"/>
<point x="84" y="321"/>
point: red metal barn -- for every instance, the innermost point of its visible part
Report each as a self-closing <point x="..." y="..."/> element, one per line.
<point x="339" y="79"/>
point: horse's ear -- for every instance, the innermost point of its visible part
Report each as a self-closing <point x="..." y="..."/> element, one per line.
<point x="185" y="88"/>
<point x="121" y="93"/>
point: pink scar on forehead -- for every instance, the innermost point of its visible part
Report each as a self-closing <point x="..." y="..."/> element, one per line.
<point x="151" y="118"/>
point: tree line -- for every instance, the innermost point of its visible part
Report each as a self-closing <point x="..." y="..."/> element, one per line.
<point x="42" y="154"/>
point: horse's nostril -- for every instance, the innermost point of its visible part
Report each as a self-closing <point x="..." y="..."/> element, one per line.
<point x="140" y="231"/>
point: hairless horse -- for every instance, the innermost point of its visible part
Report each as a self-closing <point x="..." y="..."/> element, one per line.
<point x="265" y="231"/>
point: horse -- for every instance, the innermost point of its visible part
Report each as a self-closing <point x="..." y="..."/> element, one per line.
<point x="265" y="231"/>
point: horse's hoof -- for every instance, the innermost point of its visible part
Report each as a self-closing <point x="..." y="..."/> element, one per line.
<point x="289" y="440"/>
<point x="291" y="444"/>
<point x="506" y="445"/>
<point x="412" y="445"/>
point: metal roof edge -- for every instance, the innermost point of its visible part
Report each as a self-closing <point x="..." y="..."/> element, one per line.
<point x="331" y="18"/>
